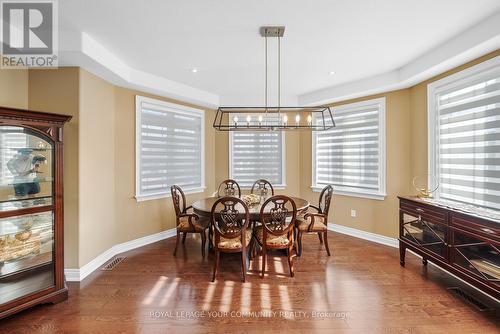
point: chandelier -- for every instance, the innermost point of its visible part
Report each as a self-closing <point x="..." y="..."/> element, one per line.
<point x="273" y="118"/>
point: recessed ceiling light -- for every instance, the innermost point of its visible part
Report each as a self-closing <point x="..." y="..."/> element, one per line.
<point x="332" y="72"/>
<point x="194" y="70"/>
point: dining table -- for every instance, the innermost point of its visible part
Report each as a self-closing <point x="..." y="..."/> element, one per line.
<point x="203" y="207"/>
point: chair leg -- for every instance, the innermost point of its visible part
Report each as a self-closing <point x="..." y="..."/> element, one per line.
<point x="320" y="238"/>
<point x="243" y="264"/>
<point x="290" y="260"/>
<point x="264" y="255"/>
<point x="184" y="238"/>
<point x="299" y="240"/>
<point x="177" y="242"/>
<point x="325" y="236"/>
<point x="203" y="243"/>
<point x="216" y="264"/>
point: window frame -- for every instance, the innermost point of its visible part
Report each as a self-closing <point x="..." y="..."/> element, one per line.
<point x="434" y="88"/>
<point x="380" y="194"/>
<point x="173" y="108"/>
<point x="282" y="184"/>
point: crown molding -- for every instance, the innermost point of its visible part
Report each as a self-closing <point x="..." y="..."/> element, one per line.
<point x="80" y="49"/>
<point x="475" y="42"/>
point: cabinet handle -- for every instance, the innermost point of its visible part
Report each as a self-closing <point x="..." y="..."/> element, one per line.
<point x="487" y="230"/>
<point x="420" y="210"/>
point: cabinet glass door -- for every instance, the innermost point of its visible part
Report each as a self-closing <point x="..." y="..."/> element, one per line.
<point x="430" y="236"/>
<point x="26" y="213"/>
<point x="477" y="255"/>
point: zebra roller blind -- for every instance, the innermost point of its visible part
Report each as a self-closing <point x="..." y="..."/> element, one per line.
<point x="257" y="155"/>
<point x="351" y="155"/>
<point x="465" y="110"/>
<point x="170" y="148"/>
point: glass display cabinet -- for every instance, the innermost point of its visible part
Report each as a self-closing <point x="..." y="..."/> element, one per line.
<point x="464" y="243"/>
<point x="31" y="209"/>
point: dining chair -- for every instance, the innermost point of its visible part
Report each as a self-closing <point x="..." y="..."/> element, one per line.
<point x="262" y="187"/>
<point x="316" y="222"/>
<point x="229" y="187"/>
<point x="229" y="219"/>
<point x="277" y="219"/>
<point x="187" y="222"/>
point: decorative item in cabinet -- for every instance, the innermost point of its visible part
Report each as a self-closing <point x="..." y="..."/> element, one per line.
<point x="31" y="209"/>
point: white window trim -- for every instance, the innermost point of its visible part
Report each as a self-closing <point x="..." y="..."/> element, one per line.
<point x="354" y="192"/>
<point x="470" y="74"/>
<point x="170" y="107"/>
<point x="280" y="186"/>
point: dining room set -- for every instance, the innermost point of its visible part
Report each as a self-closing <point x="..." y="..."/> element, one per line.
<point x="251" y="224"/>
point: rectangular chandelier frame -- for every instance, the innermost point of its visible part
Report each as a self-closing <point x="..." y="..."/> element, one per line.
<point x="273" y="118"/>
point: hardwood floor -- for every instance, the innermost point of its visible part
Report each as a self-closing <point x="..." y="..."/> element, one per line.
<point x="360" y="289"/>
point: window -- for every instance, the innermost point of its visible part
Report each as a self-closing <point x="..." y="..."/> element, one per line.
<point x="257" y="155"/>
<point x="351" y="156"/>
<point x="170" y="148"/>
<point x="464" y="135"/>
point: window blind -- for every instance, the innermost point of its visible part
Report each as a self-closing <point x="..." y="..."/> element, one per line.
<point x="468" y="140"/>
<point x="351" y="155"/>
<point x="257" y="155"/>
<point x="170" y="147"/>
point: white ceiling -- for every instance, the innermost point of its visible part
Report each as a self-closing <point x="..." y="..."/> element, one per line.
<point x="355" y="38"/>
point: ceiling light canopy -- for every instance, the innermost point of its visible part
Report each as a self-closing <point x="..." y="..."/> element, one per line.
<point x="273" y="118"/>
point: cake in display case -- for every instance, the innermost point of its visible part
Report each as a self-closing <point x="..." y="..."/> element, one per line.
<point x="31" y="209"/>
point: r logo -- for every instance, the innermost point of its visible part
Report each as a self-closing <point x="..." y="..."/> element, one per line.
<point x="27" y="28"/>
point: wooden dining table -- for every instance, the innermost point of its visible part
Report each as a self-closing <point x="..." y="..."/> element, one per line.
<point x="203" y="207"/>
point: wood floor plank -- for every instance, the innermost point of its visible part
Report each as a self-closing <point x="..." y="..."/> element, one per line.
<point x="361" y="288"/>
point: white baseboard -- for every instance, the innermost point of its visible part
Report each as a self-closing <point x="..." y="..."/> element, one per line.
<point x="380" y="239"/>
<point x="77" y="275"/>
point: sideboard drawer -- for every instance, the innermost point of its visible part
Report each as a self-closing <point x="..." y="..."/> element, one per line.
<point x="427" y="213"/>
<point x="488" y="230"/>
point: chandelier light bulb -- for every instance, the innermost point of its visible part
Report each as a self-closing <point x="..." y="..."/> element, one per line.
<point x="260" y="119"/>
<point x="297" y="119"/>
<point x="285" y="119"/>
<point x="235" y="120"/>
<point x="309" y="119"/>
<point x="249" y="118"/>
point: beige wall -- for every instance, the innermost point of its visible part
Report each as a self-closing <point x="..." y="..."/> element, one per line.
<point x="14" y="88"/>
<point x="57" y="91"/>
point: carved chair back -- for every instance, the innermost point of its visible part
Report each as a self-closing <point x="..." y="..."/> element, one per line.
<point x="277" y="215"/>
<point x="229" y="187"/>
<point x="179" y="200"/>
<point x="230" y="218"/>
<point x="324" y="200"/>
<point x="262" y="187"/>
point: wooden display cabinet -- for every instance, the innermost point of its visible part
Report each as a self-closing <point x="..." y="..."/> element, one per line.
<point x="31" y="209"/>
<point x="464" y="244"/>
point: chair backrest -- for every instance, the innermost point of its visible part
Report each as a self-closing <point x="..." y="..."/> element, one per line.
<point x="230" y="218"/>
<point x="179" y="199"/>
<point x="278" y="214"/>
<point x="262" y="187"/>
<point x="229" y="187"/>
<point x="324" y="199"/>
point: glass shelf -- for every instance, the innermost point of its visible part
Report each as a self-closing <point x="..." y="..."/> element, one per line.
<point x="429" y="235"/>
<point x="477" y="256"/>
<point x="23" y="203"/>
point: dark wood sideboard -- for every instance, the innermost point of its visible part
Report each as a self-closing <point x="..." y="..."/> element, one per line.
<point x="464" y="244"/>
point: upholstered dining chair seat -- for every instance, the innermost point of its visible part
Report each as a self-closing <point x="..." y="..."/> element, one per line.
<point x="272" y="240"/>
<point x="319" y="224"/>
<point x="235" y="243"/>
<point x="199" y="225"/>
